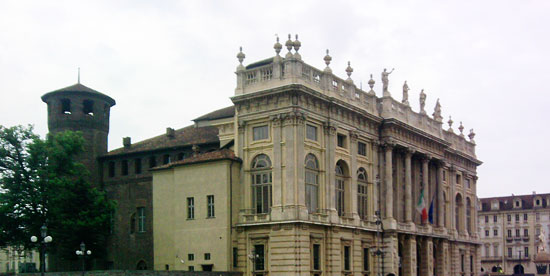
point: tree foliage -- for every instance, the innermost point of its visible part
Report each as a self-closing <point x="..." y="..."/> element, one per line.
<point x="41" y="182"/>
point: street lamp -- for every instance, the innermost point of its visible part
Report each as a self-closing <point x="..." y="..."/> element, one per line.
<point x="253" y="256"/>
<point x="378" y="251"/>
<point x="83" y="253"/>
<point x="45" y="240"/>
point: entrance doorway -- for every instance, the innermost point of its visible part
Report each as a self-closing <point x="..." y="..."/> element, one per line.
<point x="518" y="269"/>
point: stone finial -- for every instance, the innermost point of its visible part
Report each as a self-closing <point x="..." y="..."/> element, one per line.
<point x="127" y="142"/>
<point x="461" y="129"/>
<point x="437" y="112"/>
<point x="240" y="57"/>
<point x="277" y="46"/>
<point x="327" y="60"/>
<point x="297" y="44"/>
<point x="450" y="122"/>
<point x="349" y="70"/>
<point x="371" y="85"/>
<point x="406" y="89"/>
<point x="472" y="135"/>
<point x="422" y="102"/>
<point x="289" y="45"/>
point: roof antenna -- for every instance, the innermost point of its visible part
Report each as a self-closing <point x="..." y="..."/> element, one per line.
<point x="79" y="75"/>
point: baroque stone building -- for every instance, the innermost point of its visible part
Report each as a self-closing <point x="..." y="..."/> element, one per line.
<point x="511" y="230"/>
<point x="306" y="174"/>
<point x="320" y="163"/>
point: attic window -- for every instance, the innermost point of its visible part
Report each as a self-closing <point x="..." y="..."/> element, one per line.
<point x="166" y="159"/>
<point x="88" y="107"/>
<point x="65" y="106"/>
<point x="517" y="203"/>
<point x="537" y="202"/>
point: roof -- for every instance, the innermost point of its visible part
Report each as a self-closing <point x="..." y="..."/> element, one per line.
<point x="225" y="112"/>
<point x="186" y="136"/>
<point x="259" y="63"/>
<point x="223" y="154"/>
<point x="507" y="202"/>
<point x="79" y="88"/>
<point x="542" y="257"/>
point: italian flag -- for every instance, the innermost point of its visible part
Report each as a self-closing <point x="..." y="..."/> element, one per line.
<point x="421" y="207"/>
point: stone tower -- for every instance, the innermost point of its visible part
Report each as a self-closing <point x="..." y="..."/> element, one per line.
<point x="79" y="108"/>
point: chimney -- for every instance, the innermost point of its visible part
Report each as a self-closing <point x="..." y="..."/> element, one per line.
<point x="127" y="142"/>
<point x="170" y="132"/>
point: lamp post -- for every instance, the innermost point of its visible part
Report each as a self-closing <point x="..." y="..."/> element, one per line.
<point x="378" y="251"/>
<point x="45" y="239"/>
<point x="83" y="253"/>
<point x="253" y="256"/>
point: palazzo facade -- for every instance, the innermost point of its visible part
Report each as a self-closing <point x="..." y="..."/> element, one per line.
<point x="329" y="181"/>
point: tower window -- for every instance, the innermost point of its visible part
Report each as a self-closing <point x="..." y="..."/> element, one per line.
<point x="152" y="161"/>
<point x="166" y="159"/>
<point x="65" y="106"/>
<point x="88" y="107"/>
<point x="137" y="163"/>
<point x="124" y="167"/>
<point x="111" y="169"/>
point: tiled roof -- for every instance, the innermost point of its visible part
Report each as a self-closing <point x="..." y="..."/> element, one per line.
<point x="186" y="136"/>
<point x="79" y="88"/>
<point x="223" y="154"/>
<point x="507" y="202"/>
<point x="218" y="114"/>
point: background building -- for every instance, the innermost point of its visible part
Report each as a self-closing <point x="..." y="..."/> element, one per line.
<point x="18" y="261"/>
<point x="509" y="229"/>
<point x="307" y="174"/>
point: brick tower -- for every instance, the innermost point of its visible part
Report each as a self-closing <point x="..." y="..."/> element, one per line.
<point x="79" y="108"/>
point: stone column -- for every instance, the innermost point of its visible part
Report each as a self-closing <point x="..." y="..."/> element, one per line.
<point x="300" y="188"/>
<point x="277" y="183"/>
<point x="426" y="181"/>
<point x="451" y="180"/>
<point x="353" y="175"/>
<point x="409" y="256"/>
<point x="389" y="221"/>
<point x="440" y="200"/>
<point x="439" y="258"/>
<point x="330" y="163"/>
<point x="245" y="191"/>
<point x="426" y="264"/>
<point x="408" y="186"/>
<point x="290" y="183"/>
<point x="391" y="262"/>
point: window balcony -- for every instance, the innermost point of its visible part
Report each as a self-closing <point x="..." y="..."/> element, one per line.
<point x="518" y="258"/>
<point x="509" y="239"/>
<point x="525" y="238"/>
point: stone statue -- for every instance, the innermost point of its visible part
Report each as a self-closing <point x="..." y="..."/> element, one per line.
<point x="406" y="89"/>
<point x="422" y="102"/>
<point x="437" y="111"/>
<point x="542" y="238"/>
<point x="385" y="79"/>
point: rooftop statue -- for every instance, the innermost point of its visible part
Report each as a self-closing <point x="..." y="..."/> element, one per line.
<point x="385" y="79"/>
<point x="422" y="102"/>
<point x="406" y="89"/>
<point x="437" y="111"/>
<point x="543" y="247"/>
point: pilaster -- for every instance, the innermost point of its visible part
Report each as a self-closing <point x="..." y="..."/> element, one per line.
<point x="353" y="174"/>
<point x="389" y="220"/>
<point x="277" y="183"/>
<point x="409" y="256"/>
<point x="330" y="199"/>
<point x="408" y="186"/>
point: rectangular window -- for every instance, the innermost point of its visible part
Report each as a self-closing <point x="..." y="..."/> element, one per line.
<point x="259" y="256"/>
<point x="137" y="165"/>
<point x="495" y="232"/>
<point x="152" y="161"/>
<point x="366" y="255"/>
<point x="537" y="216"/>
<point x="235" y="256"/>
<point x="537" y="231"/>
<point x="467" y="182"/>
<point x="361" y="149"/>
<point x="509" y="233"/>
<point x="458" y="179"/>
<point x="526" y="252"/>
<point x="316" y="257"/>
<point x="494" y="218"/>
<point x="524" y="216"/>
<point x="509" y="217"/>
<point x="191" y="257"/>
<point x="191" y="268"/>
<point x="462" y="263"/>
<point x="526" y="232"/>
<point x="124" y="167"/>
<point x="141" y="219"/>
<point x="509" y="252"/>
<point x="517" y="217"/>
<point x="210" y="210"/>
<point x="517" y="232"/>
<point x="486" y="233"/>
<point x="497" y="253"/>
<point x="260" y="133"/>
<point x="207" y="256"/>
<point x="112" y="169"/>
<point x="190" y="208"/>
<point x="471" y="263"/>
<point x="347" y="258"/>
<point x="341" y="140"/>
<point x="166" y="159"/>
<point x="486" y="219"/>
<point x="311" y="132"/>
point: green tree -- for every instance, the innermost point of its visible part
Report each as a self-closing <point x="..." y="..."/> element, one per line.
<point x="42" y="182"/>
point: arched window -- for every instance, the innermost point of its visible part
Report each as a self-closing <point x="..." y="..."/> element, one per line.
<point x="340" y="187"/>
<point x="141" y="265"/>
<point x="261" y="184"/>
<point x="362" y="193"/>
<point x="312" y="183"/>
<point x="469" y="216"/>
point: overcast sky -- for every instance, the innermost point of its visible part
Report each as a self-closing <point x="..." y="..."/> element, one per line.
<point x="167" y="62"/>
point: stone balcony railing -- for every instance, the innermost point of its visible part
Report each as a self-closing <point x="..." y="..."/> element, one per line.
<point x="278" y="72"/>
